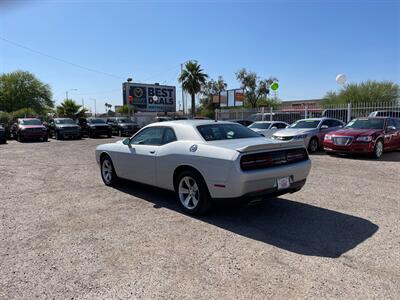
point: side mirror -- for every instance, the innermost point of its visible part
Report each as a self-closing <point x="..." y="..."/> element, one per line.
<point x="324" y="127"/>
<point x="126" y="141"/>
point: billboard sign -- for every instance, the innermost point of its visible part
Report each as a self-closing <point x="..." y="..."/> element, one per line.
<point x="150" y="97"/>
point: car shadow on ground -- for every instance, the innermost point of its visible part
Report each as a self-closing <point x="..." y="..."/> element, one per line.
<point x="293" y="226"/>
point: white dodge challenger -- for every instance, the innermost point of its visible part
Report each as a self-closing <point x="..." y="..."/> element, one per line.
<point x="204" y="161"/>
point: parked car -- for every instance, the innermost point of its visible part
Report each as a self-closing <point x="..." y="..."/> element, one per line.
<point x="122" y="126"/>
<point x="29" y="129"/>
<point x="311" y="131"/>
<point x="243" y="122"/>
<point x="203" y="160"/>
<point x="365" y="135"/>
<point x="94" y="127"/>
<point x="3" y="138"/>
<point x="385" y="113"/>
<point x="61" y="128"/>
<point x="266" y="128"/>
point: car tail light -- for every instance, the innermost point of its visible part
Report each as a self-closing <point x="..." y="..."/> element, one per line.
<point x="271" y="159"/>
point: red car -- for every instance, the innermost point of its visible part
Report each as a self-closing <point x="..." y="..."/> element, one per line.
<point x="365" y="135"/>
<point x="28" y="128"/>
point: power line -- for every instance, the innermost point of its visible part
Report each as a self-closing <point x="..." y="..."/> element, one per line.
<point x="60" y="59"/>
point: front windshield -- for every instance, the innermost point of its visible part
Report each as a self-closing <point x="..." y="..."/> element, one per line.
<point x="305" y="124"/>
<point x="366" y="124"/>
<point x="96" y="121"/>
<point x="64" y="121"/>
<point x="215" y="132"/>
<point x="31" y="122"/>
<point x="125" y="120"/>
<point x="260" y="125"/>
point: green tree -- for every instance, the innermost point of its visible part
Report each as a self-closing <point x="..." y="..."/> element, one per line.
<point x="267" y="102"/>
<point x="123" y="110"/>
<point x="21" y="89"/>
<point x="209" y="89"/>
<point x="192" y="79"/>
<point x="365" y="92"/>
<point x="70" y="109"/>
<point x="254" y="87"/>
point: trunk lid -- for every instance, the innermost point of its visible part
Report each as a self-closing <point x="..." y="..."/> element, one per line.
<point x="256" y="144"/>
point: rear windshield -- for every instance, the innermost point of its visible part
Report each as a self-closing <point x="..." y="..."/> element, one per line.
<point x="215" y="132"/>
<point x="31" y="122"/>
<point x="366" y="124"/>
<point x="260" y="125"/>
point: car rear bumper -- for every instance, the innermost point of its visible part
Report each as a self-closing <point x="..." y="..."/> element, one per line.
<point x="263" y="181"/>
<point x="266" y="193"/>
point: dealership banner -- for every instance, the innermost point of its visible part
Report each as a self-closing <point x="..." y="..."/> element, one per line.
<point x="150" y="97"/>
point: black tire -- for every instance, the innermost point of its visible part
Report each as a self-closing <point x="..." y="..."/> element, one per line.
<point x="109" y="135"/>
<point x="313" y="145"/>
<point x="120" y="133"/>
<point x="58" y="136"/>
<point x="19" y="137"/>
<point x="204" y="202"/>
<point x="45" y="138"/>
<point x="378" y="152"/>
<point x="114" y="178"/>
<point x="90" y="134"/>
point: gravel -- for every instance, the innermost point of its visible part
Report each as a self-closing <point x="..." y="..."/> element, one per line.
<point x="65" y="235"/>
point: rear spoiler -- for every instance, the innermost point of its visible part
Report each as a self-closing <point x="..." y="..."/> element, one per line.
<point x="272" y="146"/>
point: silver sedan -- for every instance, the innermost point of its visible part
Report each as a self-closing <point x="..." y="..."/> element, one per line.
<point x="204" y="161"/>
<point x="310" y="131"/>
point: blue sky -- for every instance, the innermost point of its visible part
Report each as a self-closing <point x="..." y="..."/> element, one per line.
<point x="305" y="44"/>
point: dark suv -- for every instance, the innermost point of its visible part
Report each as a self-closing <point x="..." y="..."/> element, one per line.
<point x="60" y="128"/>
<point x="3" y="138"/>
<point x="29" y="128"/>
<point x="94" y="127"/>
<point x="122" y="126"/>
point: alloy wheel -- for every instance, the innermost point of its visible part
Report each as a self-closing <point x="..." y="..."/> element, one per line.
<point x="379" y="149"/>
<point x="188" y="192"/>
<point x="106" y="170"/>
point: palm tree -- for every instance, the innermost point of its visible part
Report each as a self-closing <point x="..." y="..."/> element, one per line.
<point x="192" y="79"/>
<point x="70" y="109"/>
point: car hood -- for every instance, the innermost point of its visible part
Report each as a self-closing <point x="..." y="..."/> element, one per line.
<point x="99" y="125"/>
<point x="356" y="132"/>
<point x="31" y="126"/>
<point x="67" y="125"/>
<point x="295" y="131"/>
<point x="255" y="144"/>
<point x="127" y="124"/>
<point x="258" y="129"/>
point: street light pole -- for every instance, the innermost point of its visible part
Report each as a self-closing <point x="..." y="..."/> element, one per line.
<point x="183" y="103"/>
<point x="94" y="105"/>
<point x="66" y="92"/>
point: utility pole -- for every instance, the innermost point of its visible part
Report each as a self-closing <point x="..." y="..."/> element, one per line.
<point x="183" y="102"/>
<point x="128" y="81"/>
<point x="94" y="105"/>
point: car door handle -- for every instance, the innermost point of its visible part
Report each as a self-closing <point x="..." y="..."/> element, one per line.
<point x="152" y="151"/>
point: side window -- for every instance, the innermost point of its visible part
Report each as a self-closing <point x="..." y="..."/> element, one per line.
<point x="390" y="122"/>
<point x="397" y="123"/>
<point x="336" y="123"/>
<point x="280" y="125"/>
<point x="149" y="136"/>
<point x="169" y="136"/>
<point x="327" y="123"/>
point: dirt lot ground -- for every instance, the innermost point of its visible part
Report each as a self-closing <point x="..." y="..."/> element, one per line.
<point x="65" y="235"/>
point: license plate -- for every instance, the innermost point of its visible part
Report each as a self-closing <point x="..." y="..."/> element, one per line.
<point x="283" y="183"/>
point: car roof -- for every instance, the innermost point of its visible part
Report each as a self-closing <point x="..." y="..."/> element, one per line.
<point x="191" y="123"/>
